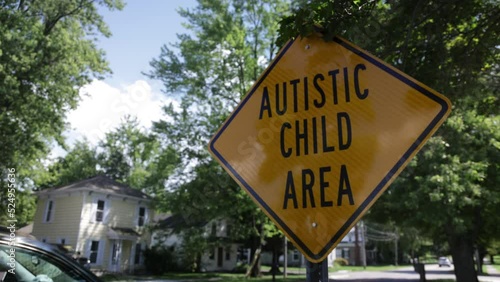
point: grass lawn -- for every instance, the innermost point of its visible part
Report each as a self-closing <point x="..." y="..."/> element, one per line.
<point x="302" y="270"/>
<point x="202" y="277"/>
<point x="496" y="264"/>
<point x="367" y="268"/>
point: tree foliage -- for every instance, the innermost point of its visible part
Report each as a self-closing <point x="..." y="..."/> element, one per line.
<point x="47" y="52"/>
<point x="128" y="154"/>
<point x="209" y="70"/>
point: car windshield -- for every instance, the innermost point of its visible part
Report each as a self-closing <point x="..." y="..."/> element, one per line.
<point x="25" y="265"/>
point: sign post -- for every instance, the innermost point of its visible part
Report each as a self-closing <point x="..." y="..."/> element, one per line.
<point x="321" y="135"/>
<point x="317" y="272"/>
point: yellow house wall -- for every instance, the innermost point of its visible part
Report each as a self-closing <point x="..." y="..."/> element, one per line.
<point x="66" y="213"/>
<point x="122" y="213"/>
<point x="72" y="220"/>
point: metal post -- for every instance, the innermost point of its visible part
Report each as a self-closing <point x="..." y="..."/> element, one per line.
<point x="285" y="258"/>
<point x="317" y="272"/>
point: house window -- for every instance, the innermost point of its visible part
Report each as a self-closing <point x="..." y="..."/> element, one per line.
<point x="141" y="220"/>
<point x="49" y="211"/>
<point x="94" y="251"/>
<point x="114" y="254"/>
<point x="345" y="253"/>
<point x="99" y="213"/>
<point x="138" y="253"/>
<point x="295" y="255"/>
<point x="211" y="256"/>
<point x="214" y="229"/>
<point x="228" y="253"/>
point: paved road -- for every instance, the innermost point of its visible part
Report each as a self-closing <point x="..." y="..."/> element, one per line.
<point x="432" y="272"/>
<point x="407" y="274"/>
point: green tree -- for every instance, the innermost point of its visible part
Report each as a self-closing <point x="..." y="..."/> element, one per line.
<point x="209" y="70"/>
<point x="79" y="163"/>
<point x="128" y="154"/>
<point x="450" y="190"/>
<point x="47" y="52"/>
<point x="135" y="156"/>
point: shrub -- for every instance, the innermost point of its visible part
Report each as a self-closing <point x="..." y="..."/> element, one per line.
<point x="241" y="268"/>
<point x="341" y="262"/>
<point x="159" y="260"/>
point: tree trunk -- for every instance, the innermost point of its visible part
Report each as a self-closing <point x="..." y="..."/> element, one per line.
<point x="479" y="262"/>
<point x="462" y="251"/>
<point x="254" y="269"/>
<point x="198" y="263"/>
<point x="492" y="261"/>
<point x="275" y="269"/>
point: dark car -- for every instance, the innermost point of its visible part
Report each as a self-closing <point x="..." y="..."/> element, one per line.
<point x="84" y="261"/>
<point x="25" y="259"/>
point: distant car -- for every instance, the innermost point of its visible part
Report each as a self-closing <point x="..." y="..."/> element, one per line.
<point x="444" y="261"/>
<point x="25" y="259"/>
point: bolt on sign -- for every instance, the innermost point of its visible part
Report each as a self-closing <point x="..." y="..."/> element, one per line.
<point x="322" y="134"/>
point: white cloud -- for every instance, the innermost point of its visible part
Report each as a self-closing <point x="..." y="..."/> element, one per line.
<point x="103" y="107"/>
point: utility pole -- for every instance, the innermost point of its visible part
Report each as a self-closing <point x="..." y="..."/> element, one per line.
<point x="363" y="249"/>
<point x="356" y="245"/>
<point x="396" y="248"/>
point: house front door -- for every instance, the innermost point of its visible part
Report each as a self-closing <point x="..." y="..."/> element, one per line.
<point x="219" y="256"/>
<point x="115" y="256"/>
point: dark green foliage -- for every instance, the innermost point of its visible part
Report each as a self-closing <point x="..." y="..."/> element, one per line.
<point x="47" y="52"/>
<point x="160" y="260"/>
<point x="327" y="17"/>
<point x="209" y="70"/>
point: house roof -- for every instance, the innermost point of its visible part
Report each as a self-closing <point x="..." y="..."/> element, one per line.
<point x="123" y="233"/>
<point x="98" y="183"/>
<point x="177" y="221"/>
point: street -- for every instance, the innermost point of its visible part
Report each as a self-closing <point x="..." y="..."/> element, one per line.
<point x="432" y="271"/>
<point x="406" y="274"/>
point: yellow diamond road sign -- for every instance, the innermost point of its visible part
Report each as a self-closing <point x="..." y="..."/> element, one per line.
<point x="322" y="134"/>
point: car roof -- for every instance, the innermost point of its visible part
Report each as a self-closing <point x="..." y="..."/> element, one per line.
<point x="35" y="245"/>
<point x="22" y="239"/>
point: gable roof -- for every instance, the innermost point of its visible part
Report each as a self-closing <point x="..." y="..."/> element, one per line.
<point x="98" y="183"/>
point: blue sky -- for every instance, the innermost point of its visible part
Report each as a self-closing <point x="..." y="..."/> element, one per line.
<point x="139" y="31"/>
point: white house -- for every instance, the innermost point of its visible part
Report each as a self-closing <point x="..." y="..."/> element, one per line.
<point x="222" y="257"/>
<point x="98" y="218"/>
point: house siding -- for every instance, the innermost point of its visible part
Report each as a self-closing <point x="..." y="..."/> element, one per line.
<point x="66" y="208"/>
<point x="122" y="213"/>
<point x="218" y="261"/>
<point x="220" y="258"/>
<point x="73" y="218"/>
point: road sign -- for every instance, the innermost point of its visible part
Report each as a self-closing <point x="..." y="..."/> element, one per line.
<point x="322" y="133"/>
